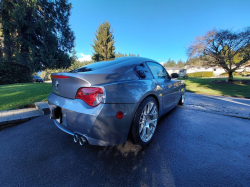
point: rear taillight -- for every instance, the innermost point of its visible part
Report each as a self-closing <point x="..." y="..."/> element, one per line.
<point x="92" y="96"/>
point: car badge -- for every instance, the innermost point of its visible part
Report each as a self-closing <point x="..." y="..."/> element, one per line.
<point x="57" y="84"/>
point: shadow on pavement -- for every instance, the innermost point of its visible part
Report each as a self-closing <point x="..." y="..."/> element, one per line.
<point x="189" y="149"/>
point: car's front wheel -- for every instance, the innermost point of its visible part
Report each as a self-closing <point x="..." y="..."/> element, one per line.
<point x="145" y="122"/>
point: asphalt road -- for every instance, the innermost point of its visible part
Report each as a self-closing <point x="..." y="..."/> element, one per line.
<point x="231" y="106"/>
<point x="190" y="148"/>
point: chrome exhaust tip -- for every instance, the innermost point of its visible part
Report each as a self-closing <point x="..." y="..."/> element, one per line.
<point x="82" y="140"/>
<point x="76" y="138"/>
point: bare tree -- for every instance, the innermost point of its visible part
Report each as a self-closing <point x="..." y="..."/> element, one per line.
<point x="225" y="48"/>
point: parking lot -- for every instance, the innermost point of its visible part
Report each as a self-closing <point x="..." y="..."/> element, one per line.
<point x="191" y="147"/>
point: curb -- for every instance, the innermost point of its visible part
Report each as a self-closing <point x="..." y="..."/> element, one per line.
<point x="14" y="117"/>
<point x="43" y="107"/>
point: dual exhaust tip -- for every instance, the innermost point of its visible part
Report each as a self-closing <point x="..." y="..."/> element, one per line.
<point x="80" y="139"/>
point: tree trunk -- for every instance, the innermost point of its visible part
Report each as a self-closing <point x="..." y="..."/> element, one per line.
<point x="230" y="76"/>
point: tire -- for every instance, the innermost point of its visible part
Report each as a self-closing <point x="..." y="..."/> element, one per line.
<point x="145" y="122"/>
<point x="182" y="99"/>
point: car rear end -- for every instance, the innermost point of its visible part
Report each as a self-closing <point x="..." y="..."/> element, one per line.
<point x="79" y="108"/>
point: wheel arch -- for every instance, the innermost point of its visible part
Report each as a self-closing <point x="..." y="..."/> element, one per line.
<point x="141" y="100"/>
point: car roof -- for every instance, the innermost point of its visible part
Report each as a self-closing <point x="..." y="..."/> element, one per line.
<point x="113" y="65"/>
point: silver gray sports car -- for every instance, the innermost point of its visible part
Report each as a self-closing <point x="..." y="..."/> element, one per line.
<point x="104" y="103"/>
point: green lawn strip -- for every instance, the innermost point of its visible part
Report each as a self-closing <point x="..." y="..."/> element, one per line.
<point x="16" y="96"/>
<point x="205" y="86"/>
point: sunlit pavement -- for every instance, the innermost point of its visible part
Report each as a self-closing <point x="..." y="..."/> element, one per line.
<point x="190" y="148"/>
<point x="230" y="106"/>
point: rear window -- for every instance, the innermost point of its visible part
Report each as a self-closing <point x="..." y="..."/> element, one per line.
<point x="143" y="72"/>
<point x="99" y="65"/>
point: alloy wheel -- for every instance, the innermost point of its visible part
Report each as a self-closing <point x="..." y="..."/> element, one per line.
<point x="148" y="121"/>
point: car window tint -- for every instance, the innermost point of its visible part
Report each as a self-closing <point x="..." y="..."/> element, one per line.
<point x="157" y="70"/>
<point x="143" y="72"/>
<point x="99" y="65"/>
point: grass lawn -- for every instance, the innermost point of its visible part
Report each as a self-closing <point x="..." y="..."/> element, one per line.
<point x="15" y="96"/>
<point x="204" y="86"/>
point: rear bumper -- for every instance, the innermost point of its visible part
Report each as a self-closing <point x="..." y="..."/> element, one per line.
<point x="98" y="125"/>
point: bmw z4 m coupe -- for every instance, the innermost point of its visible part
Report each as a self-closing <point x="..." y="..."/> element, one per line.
<point x="106" y="102"/>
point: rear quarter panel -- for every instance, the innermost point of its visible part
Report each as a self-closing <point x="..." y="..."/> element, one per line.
<point x="131" y="91"/>
<point x="135" y="91"/>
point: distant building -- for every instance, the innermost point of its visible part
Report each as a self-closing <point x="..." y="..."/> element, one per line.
<point x="216" y="70"/>
<point x="244" y="68"/>
<point x="192" y="69"/>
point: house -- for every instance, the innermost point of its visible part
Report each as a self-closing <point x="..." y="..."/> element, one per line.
<point x="244" y="68"/>
<point x="216" y="70"/>
<point x="192" y="69"/>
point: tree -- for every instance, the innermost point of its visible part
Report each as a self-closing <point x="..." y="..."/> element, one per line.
<point x="8" y="29"/>
<point x="1" y="40"/>
<point x="36" y="36"/>
<point x="170" y="63"/>
<point x="195" y="61"/>
<point x="225" y="48"/>
<point x="104" y="43"/>
<point x="123" y="55"/>
<point x="180" y="64"/>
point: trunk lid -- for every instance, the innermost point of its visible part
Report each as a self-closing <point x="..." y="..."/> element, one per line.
<point x="67" y="84"/>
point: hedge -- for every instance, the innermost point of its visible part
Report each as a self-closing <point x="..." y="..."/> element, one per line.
<point x="201" y="74"/>
<point x="235" y="73"/>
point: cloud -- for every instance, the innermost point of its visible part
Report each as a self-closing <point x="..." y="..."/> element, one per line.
<point x="84" y="57"/>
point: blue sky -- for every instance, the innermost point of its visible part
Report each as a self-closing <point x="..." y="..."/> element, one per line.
<point x="156" y="29"/>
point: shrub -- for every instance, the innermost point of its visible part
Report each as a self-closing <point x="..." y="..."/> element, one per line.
<point x="11" y="73"/>
<point x="234" y="74"/>
<point x="201" y="74"/>
<point x="224" y="74"/>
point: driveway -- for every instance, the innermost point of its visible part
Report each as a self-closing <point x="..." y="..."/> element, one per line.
<point x="231" y="106"/>
<point x="190" y="148"/>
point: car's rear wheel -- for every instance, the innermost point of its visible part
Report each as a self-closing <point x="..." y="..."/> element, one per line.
<point x="182" y="99"/>
<point x="145" y="122"/>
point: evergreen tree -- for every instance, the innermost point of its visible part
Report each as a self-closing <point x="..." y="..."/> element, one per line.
<point x="119" y="55"/>
<point x="123" y="55"/>
<point x="180" y="64"/>
<point x="36" y="35"/>
<point x="170" y="63"/>
<point x="8" y="28"/>
<point x="1" y="40"/>
<point x="104" y="43"/>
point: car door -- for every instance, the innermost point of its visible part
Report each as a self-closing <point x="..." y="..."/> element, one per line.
<point x="164" y="81"/>
<point x="176" y="90"/>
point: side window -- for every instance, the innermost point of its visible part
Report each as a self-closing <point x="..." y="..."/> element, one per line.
<point x="157" y="70"/>
<point x="143" y="72"/>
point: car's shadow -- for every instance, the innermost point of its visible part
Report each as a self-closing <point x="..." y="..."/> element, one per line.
<point x="120" y="165"/>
